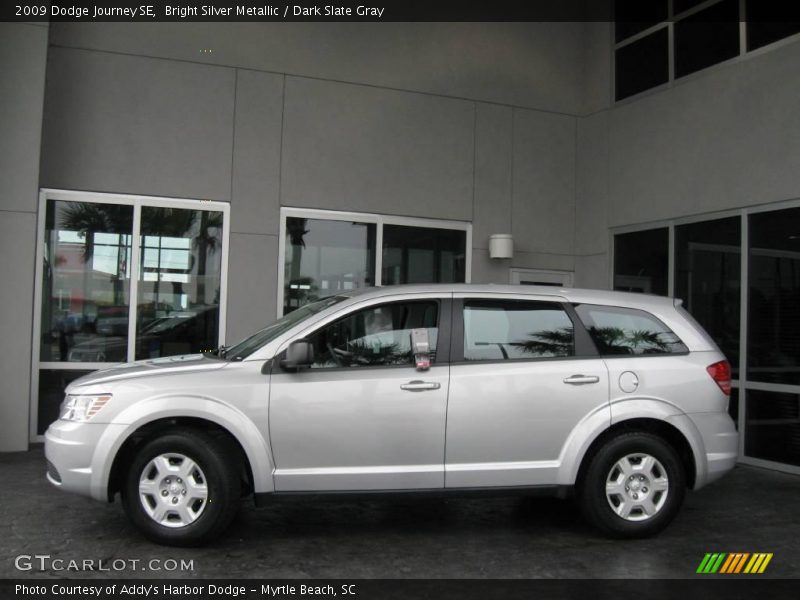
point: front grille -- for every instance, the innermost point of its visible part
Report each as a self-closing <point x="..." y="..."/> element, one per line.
<point x="53" y="472"/>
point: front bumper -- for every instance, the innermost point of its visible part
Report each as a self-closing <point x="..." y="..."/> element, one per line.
<point x="69" y="448"/>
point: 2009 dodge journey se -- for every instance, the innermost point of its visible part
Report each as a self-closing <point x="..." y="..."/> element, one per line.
<point x="618" y="398"/>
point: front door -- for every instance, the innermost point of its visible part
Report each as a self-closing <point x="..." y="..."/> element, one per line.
<point x="363" y="417"/>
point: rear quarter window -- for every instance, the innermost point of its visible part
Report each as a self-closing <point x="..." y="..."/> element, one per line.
<point x="626" y="331"/>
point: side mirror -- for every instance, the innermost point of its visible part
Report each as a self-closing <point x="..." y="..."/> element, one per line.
<point x="299" y="355"/>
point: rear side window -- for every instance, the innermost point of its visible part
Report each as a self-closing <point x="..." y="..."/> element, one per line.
<point x="616" y="330"/>
<point x="516" y="330"/>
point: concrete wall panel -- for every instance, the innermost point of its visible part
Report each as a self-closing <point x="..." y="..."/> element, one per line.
<point x="257" y="152"/>
<point x="534" y="65"/>
<point x="350" y="147"/>
<point x="17" y="240"/>
<point x="23" y="51"/>
<point x="252" y="277"/>
<point x="137" y="125"/>
<point x="543" y="198"/>
<point x="493" y="167"/>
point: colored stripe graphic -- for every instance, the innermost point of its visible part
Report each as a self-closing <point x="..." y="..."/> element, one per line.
<point x="758" y="563"/>
<point x="734" y="562"/>
<point x="741" y="562"/>
<point x="711" y="562"/>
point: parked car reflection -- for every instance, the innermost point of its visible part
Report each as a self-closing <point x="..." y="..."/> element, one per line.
<point x="181" y="332"/>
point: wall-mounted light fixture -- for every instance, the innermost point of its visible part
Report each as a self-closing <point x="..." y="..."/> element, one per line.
<point x="501" y="245"/>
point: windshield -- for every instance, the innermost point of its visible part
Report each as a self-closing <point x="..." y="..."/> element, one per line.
<point x="249" y="345"/>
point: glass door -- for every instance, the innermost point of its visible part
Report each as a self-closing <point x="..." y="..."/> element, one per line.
<point x="97" y="252"/>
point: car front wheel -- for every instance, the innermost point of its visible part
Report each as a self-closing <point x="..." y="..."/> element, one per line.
<point x="182" y="488"/>
<point x="633" y="486"/>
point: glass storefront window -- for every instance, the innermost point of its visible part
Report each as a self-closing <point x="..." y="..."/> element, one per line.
<point x="89" y="271"/>
<point x="423" y="255"/>
<point x="708" y="274"/>
<point x="324" y="254"/>
<point x="324" y="257"/>
<point x="773" y="334"/>
<point x="708" y="279"/>
<point x="641" y="261"/>
<point x="733" y="406"/>
<point x="85" y="281"/>
<point x="772" y="426"/>
<point x="179" y="286"/>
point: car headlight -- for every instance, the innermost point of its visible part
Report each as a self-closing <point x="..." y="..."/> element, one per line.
<point x="79" y="407"/>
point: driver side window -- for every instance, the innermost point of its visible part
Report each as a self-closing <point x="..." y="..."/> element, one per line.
<point x="375" y="336"/>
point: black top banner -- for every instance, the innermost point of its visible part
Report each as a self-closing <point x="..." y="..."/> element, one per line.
<point x="365" y="10"/>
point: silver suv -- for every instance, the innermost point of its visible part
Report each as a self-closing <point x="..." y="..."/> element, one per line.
<point x="619" y="399"/>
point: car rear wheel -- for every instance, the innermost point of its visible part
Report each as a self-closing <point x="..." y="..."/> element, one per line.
<point x="633" y="486"/>
<point x="182" y="488"/>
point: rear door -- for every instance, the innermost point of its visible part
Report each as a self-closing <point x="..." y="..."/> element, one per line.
<point x="522" y="378"/>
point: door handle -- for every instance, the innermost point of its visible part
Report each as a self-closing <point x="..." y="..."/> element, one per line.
<point x="420" y="386"/>
<point x="581" y="379"/>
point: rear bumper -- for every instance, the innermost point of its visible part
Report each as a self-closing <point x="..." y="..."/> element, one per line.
<point x="721" y="445"/>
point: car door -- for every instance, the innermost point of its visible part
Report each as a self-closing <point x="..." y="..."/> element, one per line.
<point x="363" y="417"/>
<point x="522" y="378"/>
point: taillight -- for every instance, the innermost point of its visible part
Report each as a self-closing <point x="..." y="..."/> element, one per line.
<point x="721" y="373"/>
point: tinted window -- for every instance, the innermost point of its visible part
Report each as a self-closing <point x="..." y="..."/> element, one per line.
<point x="772" y="428"/>
<point x="641" y="261"/>
<point x="510" y="330"/>
<point x="633" y="16"/>
<point x="708" y="279"/>
<point x="769" y="21"/>
<point x="707" y="37"/>
<point x="423" y="255"/>
<point x="376" y="336"/>
<point x="628" y="331"/>
<point x="642" y="64"/>
<point x="773" y="338"/>
<point x="325" y="257"/>
<point x="679" y="6"/>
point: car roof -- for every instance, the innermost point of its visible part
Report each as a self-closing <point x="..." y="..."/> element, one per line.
<point x="574" y="295"/>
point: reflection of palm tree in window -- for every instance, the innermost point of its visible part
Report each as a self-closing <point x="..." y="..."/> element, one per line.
<point x="296" y="230"/>
<point x="181" y="223"/>
<point x="88" y="219"/>
<point x="615" y="340"/>
<point x="555" y="342"/>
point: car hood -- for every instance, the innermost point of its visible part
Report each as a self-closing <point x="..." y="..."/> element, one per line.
<point x="153" y="366"/>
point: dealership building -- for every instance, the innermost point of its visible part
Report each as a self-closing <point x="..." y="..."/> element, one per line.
<point x="169" y="187"/>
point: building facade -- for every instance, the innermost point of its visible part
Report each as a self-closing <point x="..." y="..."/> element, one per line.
<point x="173" y="186"/>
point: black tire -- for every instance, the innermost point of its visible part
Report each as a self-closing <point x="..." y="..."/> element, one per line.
<point x="597" y="506"/>
<point x="219" y="467"/>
